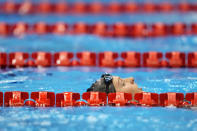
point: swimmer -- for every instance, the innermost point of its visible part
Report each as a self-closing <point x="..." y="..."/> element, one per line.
<point x="111" y="84"/>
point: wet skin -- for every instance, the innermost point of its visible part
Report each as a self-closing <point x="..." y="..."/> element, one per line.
<point x="126" y="85"/>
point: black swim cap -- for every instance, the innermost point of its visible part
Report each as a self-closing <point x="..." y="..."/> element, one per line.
<point x="105" y="84"/>
<point x="107" y="78"/>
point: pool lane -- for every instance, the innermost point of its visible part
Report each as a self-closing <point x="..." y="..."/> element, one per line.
<point x="189" y="17"/>
<point x="77" y="43"/>
<point x="78" y="79"/>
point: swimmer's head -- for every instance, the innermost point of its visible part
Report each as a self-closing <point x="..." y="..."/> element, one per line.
<point x="111" y="84"/>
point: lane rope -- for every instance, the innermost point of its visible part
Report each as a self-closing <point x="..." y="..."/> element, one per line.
<point x="27" y="7"/>
<point x="130" y="59"/>
<point x="50" y="99"/>
<point x="119" y="29"/>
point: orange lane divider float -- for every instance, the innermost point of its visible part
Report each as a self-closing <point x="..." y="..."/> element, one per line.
<point x="15" y="98"/>
<point x="119" y="99"/>
<point x="62" y="7"/>
<point x="118" y="29"/>
<point x="147" y="99"/>
<point x="95" y="98"/>
<point x="49" y="99"/>
<point x="67" y="99"/>
<point x="192" y="98"/>
<point x="176" y="99"/>
<point x="102" y="59"/>
<point x="43" y="99"/>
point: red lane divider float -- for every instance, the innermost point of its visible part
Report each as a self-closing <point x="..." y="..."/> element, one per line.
<point x="86" y="58"/>
<point x="178" y="29"/>
<point x="192" y="59"/>
<point x="1" y="98"/>
<point x="61" y="7"/>
<point x="59" y="28"/>
<point x="15" y="98"/>
<point x="100" y="29"/>
<point x="147" y="99"/>
<point x="159" y="29"/>
<point x="19" y="29"/>
<point x="118" y="29"/>
<point x="42" y="58"/>
<point x="119" y="99"/>
<point x="171" y="99"/>
<point x="194" y="28"/>
<point x="5" y="29"/>
<point x="95" y="98"/>
<point x="41" y="28"/>
<point x="108" y="59"/>
<point x="43" y="99"/>
<point x="67" y="99"/>
<point x="138" y="30"/>
<point x="131" y="59"/>
<point x="18" y="59"/>
<point x="102" y="59"/>
<point x="152" y="59"/>
<point x="80" y="28"/>
<point x="49" y="99"/>
<point x="63" y="58"/>
<point x="176" y="59"/>
<point x="3" y="59"/>
<point x="192" y="97"/>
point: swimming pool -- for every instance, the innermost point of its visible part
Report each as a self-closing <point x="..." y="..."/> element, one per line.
<point x="78" y="79"/>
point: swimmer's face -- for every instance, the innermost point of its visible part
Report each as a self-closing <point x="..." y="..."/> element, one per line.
<point x="123" y="82"/>
<point x="125" y="85"/>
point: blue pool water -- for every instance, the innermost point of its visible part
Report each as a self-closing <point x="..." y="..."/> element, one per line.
<point x="97" y="118"/>
<point x="78" y="79"/>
